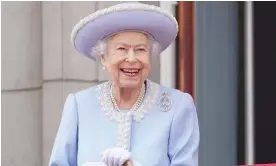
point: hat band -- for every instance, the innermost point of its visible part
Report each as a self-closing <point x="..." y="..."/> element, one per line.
<point x="139" y="31"/>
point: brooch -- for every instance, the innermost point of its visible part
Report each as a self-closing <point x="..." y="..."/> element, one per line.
<point x="165" y="102"/>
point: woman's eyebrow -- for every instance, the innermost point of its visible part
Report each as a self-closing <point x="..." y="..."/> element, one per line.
<point x="129" y="45"/>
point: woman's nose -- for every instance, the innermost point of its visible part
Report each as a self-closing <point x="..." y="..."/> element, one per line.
<point x="131" y="57"/>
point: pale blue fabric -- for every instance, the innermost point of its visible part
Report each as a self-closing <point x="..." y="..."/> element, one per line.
<point x="161" y="139"/>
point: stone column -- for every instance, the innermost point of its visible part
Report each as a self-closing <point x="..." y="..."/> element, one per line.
<point x="21" y="84"/>
<point x="64" y="70"/>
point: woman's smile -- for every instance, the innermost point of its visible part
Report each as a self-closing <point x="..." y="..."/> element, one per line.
<point x="130" y="72"/>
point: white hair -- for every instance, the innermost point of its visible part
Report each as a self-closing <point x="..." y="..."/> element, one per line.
<point x="100" y="49"/>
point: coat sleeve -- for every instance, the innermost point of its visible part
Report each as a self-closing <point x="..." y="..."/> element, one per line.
<point x="184" y="134"/>
<point x="64" y="152"/>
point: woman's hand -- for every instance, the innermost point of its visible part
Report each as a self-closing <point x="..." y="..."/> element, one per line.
<point x="116" y="157"/>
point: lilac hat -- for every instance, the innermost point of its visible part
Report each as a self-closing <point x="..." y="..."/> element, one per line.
<point x="153" y="20"/>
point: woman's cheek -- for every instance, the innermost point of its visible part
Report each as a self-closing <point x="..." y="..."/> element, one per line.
<point x="117" y="59"/>
<point x="144" y="60"/>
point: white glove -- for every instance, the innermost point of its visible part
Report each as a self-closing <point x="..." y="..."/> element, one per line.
<point x="115" y="156"/>
<point x="93" y="164"/>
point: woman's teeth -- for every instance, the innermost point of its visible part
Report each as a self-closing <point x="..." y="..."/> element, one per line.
<point x="130" y="70"/>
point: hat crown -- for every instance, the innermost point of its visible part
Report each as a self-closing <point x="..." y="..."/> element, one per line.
<point x="121" y="17"/>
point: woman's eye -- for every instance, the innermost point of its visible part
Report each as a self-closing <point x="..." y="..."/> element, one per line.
<point x="141" y="49"/>
<point x="121" y="48"/>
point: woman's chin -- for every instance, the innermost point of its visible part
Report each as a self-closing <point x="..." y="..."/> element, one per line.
<point x="130" y="83"/>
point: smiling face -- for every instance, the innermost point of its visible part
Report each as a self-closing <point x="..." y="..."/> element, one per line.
<point x="128" y="59"/>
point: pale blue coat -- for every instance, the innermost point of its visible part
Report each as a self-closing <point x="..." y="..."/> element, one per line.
<point x="162" y="138"/>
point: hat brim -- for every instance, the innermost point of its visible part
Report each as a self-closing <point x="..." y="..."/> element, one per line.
<point x="159" y="26"/>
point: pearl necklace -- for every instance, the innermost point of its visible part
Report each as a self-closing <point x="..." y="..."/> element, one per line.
<point x="137" y="103"/>
<point x="123" y="131"/>
<point x="149" y="100"/>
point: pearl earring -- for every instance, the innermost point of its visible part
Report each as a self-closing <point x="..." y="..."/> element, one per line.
<point x="104" y="67"/>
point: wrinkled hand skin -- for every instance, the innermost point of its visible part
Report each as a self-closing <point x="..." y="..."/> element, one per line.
<point x="115" y="157"/>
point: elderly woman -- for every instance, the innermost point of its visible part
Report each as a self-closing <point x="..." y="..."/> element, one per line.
<point x="128" y="119"/>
